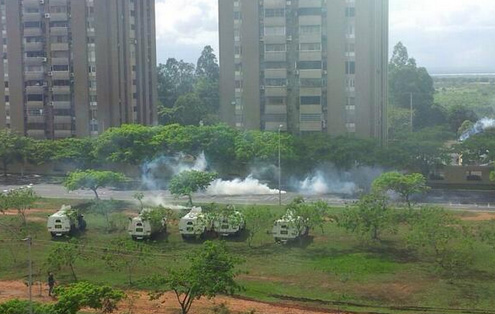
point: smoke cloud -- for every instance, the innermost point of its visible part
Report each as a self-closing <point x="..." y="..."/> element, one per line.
<point x="478" y="127"/>
<point x="248" y="186"/>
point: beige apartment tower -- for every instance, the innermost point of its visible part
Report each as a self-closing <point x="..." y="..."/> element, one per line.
<point x="77" y="67"/>
<point x="305" y="65"/>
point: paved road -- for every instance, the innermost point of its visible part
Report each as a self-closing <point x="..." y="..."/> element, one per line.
<point x="164" y="197"/>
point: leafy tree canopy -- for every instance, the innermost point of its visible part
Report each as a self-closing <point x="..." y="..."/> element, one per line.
<point x="188" y="182"/>
<point x="404" y="184"/>
<point x="92" y="180"/>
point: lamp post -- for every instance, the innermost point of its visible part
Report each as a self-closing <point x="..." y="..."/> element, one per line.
<point x="30" y="282"/>
<point x="279" y="169"/>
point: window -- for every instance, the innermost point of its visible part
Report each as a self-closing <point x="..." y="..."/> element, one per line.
<point x="62" y="97"/>
<point x="350" y="31"/>
<point x="351" y="101"/>
<point x="275" y="48"/>
<point x="309" y="11"/>
<point x="275" y="65"/>
<point x="275" y="12"/>
<point x="350" y="48"/>
<point x="60" y="68"/>
<point x="238" y="50"/>
<point x="35" y="112"/>
<point x="310" y="100"/>
<point x="62" y="112"/>
<point x="351" y="127"/>
<point x="350" y="11"/>
<point x="309" y="65"/>
<point x="310" y="47"/>
<point x="350" y="67"/>
<point x="238" y="84"/>
<point x="310" y="117"/>
<point x="274" y="30"/>
<point x="35" y="97"/>
<point x="474" y="176"/>
<point x="237" y="15"/>
<point x="310" y="82"/>
<point x="276" y="82"/>
<point x="309" y="29"/>
<point x="61" y="83"/>
<point x="32" y="24"/>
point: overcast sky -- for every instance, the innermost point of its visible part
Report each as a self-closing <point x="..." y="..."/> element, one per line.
<point x="443" y="35"/>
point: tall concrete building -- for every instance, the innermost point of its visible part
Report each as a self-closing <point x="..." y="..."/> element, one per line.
<point x="77" y="67"/>
<point x="308" y="65"/>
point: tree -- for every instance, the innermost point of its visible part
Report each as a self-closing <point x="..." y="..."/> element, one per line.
<point x="369" y="217"/>
<point x="65" y="255"/>
<point x="77" y="296"/>
<point x="256" y="220"/>
<point x="21" y="199"/>
<point x="263" y="146"/>
<point x="457" y="115"/>
<point x="13" y="147"/>
<point x="92" y="180"/>
<point x="139" y="197"/>
<point x="405" y="77"/>
<point x="306" y="215"/>
<point x="438" y="235"/>
<point x="477" y="149"/>
<point x="211" y="272"/>
<point x="79" y="151"/>
<point x="129" y="144"/>
<point x="127" y="255"/>
<point x="188" y="182"/>
<point x="17" y="306"/>
<point x="207" y="65"/>
<point x="404" y="184"/>
<point x="187" y="110"/>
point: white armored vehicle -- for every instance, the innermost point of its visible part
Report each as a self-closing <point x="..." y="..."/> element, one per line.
<point x="194" y="224"/>
<point x="227" y="224"/>
<point x="65" y="222"/>
<point x="149" y="223"/>
<point x="289" y="228"/>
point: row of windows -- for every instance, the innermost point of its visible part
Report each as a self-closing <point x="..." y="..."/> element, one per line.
<point x="281" y="30"/>
<point x="302" y="47"/>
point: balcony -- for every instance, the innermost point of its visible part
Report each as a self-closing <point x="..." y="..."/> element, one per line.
<point x="314" y="73"/>
<point x="59" y="31"/>
<point x="60" y="61"/>
<point x="57" y="90"/>
<point x="39" y="134"/>
<point x="307" y="91"/>
<point x="274" y="3"/>
<point x="275" y="56"/>
<point x="62" y="119"/>
<point x="33" y="60"/>
<point x="60" y="75"/>
<point x="35" y="119"/>
<point x="32" y="32"/>
<point x="58" y="2"/>
<point x="62" y="133"/>
<point x="310" y="56"/>
<point x="61" y="104"/>
<point x="274" y="21"/>
<point x="275" y="91"/>
<point x="310" y="109"/>
<point x="276" y="73"/>
<point x="310" y="38"/>
<point x="59" y="46"/>
<point x="310" y="3"/>
<point x="34" y="105"/>
<point x="275" y="39"/>
<point x="37" y="46"/>
<point x="310" y="126"/>
<point x="34" y="89"/>
<point x="58" y="17"/>
<point x="275" y="109"/>
<point x="31" y="17"/>
<point x="34" y="76"/>
<point x="310" y="20"/>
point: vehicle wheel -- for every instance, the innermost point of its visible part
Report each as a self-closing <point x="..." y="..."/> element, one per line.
<point x="53" y="234"/>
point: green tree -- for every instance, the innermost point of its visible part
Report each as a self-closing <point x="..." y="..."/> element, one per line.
<point x="130" y="143"/>
<point x="439" y="236"/>
<point x="188" y="182"/>
<point x="21" y="199"/>
<point x="211" y="271"/>
<point x="73" y="298"/>
<point x="405" y="185"/>
<point x="138" y="196"/>
<point x="126" y="255"/>
<point x="405" y="77"/>
<point x="256" y="219"/>
<point x="369" y="217"/>
<point x="263" y="146"/>
<point x="187" y="110"/>
<point x="207" y="65"/>
<point x="78" y="151"/>
<point x="13" y="147"/>
<point x="457" y="115"/>
<point x="478" y="148"/>
<point x="17" y="306"/>
<point x="307" y="216"/>
<point x="92" y="180"/>
<point x="465" y="126"/>
<point x="65" y="255"/>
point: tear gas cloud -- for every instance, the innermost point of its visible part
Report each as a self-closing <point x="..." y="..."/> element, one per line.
<point x="478" y="127"/>
<point x="248" y="186"/>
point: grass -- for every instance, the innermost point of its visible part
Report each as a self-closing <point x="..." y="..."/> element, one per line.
<point x="332" y="269"/>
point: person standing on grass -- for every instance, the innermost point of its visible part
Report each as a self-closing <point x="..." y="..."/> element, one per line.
<point x="51" y="283"/>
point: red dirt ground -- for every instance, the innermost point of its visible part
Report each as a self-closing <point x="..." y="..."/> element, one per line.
<point x="139" y="303"/>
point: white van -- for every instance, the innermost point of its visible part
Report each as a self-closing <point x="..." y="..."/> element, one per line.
<point x="144" y="226"/>
<point x="194" y="224"/>
<point x="285" y="229"/>
<point x="65" y="221"/>
<point x="231" y="224"/>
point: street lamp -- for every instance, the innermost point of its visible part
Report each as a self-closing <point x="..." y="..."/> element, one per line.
<point x="279" y="169"/>
<point x="29" y="241"/>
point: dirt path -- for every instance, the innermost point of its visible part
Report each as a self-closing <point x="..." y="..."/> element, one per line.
<point x="480" y="216"/>
<point x="139" y="302"/>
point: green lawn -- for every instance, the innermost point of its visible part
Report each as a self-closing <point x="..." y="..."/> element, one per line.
<point x="331" y="269"/>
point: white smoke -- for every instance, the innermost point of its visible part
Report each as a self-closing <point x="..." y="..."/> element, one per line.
<point x="329" y="180"/>
<point x="478" y="127"/>
<point x="157" y="200"/>
<point x="200" y="164"/>
<point x="248" y="186"/>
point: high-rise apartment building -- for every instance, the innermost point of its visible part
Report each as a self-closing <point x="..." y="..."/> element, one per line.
<point x="308" y="65"/>
<point x="77" y="67"/>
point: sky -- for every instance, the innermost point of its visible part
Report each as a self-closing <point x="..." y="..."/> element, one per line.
<point x="445" y="36"/>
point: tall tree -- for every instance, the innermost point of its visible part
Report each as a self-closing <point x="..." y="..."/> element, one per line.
<point x="188" y="182"/>
<point x="175" y="78"/>
<point x="207" y="65"/>
<point x="189" y="109"/>
<point x="406" y="79"/>
<point x="13" y="147"/>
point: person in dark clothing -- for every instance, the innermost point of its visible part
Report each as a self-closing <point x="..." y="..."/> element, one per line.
<point x="51" y="283"/>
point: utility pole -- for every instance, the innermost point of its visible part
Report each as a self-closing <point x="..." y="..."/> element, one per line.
<point x="411" y="110"/>
<point x="29" y="241"/>
<point x="279" y="170"/>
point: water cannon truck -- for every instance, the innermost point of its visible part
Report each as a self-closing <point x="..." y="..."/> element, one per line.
<point x="195" y="224"/>
<point x="229" y="224"/>
<point x="149" y="223"/>
<point x="65" y="222"/>
<point x="289" y="228"/>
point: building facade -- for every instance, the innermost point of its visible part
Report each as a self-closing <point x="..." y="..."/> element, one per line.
<point x="305" y="65"/>
<point x="77" y="67"/>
